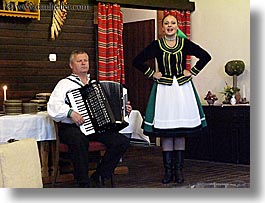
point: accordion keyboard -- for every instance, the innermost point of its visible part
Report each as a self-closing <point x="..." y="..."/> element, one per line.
<point x="78" y="105"/>
<point x="91" y="103"/>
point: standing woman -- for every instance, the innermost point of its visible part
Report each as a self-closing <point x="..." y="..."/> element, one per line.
<point x="176" y="106"/>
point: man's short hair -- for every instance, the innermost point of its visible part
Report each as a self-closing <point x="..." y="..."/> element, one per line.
<point x="74" y="53"/>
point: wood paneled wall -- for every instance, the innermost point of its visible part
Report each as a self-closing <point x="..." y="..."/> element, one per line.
<point x="25" y="46"/>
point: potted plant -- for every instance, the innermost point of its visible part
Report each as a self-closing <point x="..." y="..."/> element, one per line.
<point x="228" y="92"/>
<point x="234" y="68"/>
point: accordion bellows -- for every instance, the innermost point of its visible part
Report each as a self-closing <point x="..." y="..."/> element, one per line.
<point x="97" y="102"/>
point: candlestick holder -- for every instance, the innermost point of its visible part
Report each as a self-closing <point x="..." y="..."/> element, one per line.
<point x="4" y="108"/>
<point x="244" y="101"/>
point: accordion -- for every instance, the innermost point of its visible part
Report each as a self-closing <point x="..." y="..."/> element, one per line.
<point x="102" y="105"/>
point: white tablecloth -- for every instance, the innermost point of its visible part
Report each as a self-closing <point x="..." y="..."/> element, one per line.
<point x="39" y="126"/>
<point x="134" y="129"/>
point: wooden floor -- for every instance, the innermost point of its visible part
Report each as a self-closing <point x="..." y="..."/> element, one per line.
<point x="146" y="171"/>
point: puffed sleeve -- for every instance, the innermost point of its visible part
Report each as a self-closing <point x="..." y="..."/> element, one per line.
<point x="147" y="53"/>
<point x="56" y="107"/>
<point x="201" y="54"/>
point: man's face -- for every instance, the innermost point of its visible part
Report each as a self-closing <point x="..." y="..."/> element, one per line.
<point x="80" y="64"/>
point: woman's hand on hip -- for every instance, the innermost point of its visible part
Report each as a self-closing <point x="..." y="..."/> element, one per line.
<point x="157" y="75"/>
<point x="187" y="73"/>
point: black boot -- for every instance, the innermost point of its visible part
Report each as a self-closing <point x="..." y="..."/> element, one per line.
<point x="96" y="180"/>
<point x="179" y="161"/>
<point x="168" y="165"/>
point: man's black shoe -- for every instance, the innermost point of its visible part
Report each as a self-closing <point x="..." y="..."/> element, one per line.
<point x="83" y="185"/>
<point x="96" y="180"/>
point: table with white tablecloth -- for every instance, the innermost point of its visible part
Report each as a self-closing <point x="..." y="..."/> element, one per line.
<point x="134" y="129"/>
<point x="39" y="126"/>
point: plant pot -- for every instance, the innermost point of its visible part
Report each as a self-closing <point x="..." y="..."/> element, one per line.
<point x="210" y="102"/>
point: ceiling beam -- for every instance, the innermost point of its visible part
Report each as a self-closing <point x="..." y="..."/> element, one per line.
<point x="154" y="4"/>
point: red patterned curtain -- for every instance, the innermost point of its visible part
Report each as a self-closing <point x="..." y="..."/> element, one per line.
<point x="184" y="25"/>
<point x="110" y="44"/>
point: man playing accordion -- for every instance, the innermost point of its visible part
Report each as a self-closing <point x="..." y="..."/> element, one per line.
<point x="70" y="121"/>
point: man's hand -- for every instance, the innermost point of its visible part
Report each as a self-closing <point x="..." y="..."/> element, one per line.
<point x="128" y="107"/>
<point x="77" y="118"/>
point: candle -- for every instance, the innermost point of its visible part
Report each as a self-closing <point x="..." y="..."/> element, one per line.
<point x="4" y="88"/>
<point x="244" y="91"/>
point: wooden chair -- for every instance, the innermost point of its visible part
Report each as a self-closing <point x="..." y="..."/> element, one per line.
<point x="94" y="146"/>
<point x="20" y="165"/>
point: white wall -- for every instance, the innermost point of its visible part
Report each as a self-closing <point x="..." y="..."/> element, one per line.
<point x="221" y="27"/>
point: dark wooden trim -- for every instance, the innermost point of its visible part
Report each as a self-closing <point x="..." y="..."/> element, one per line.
<point x="155" y="4"/>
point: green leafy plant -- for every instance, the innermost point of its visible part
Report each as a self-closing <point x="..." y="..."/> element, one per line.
<point x="229" y="91"/>
<point x="235" y="67"/>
